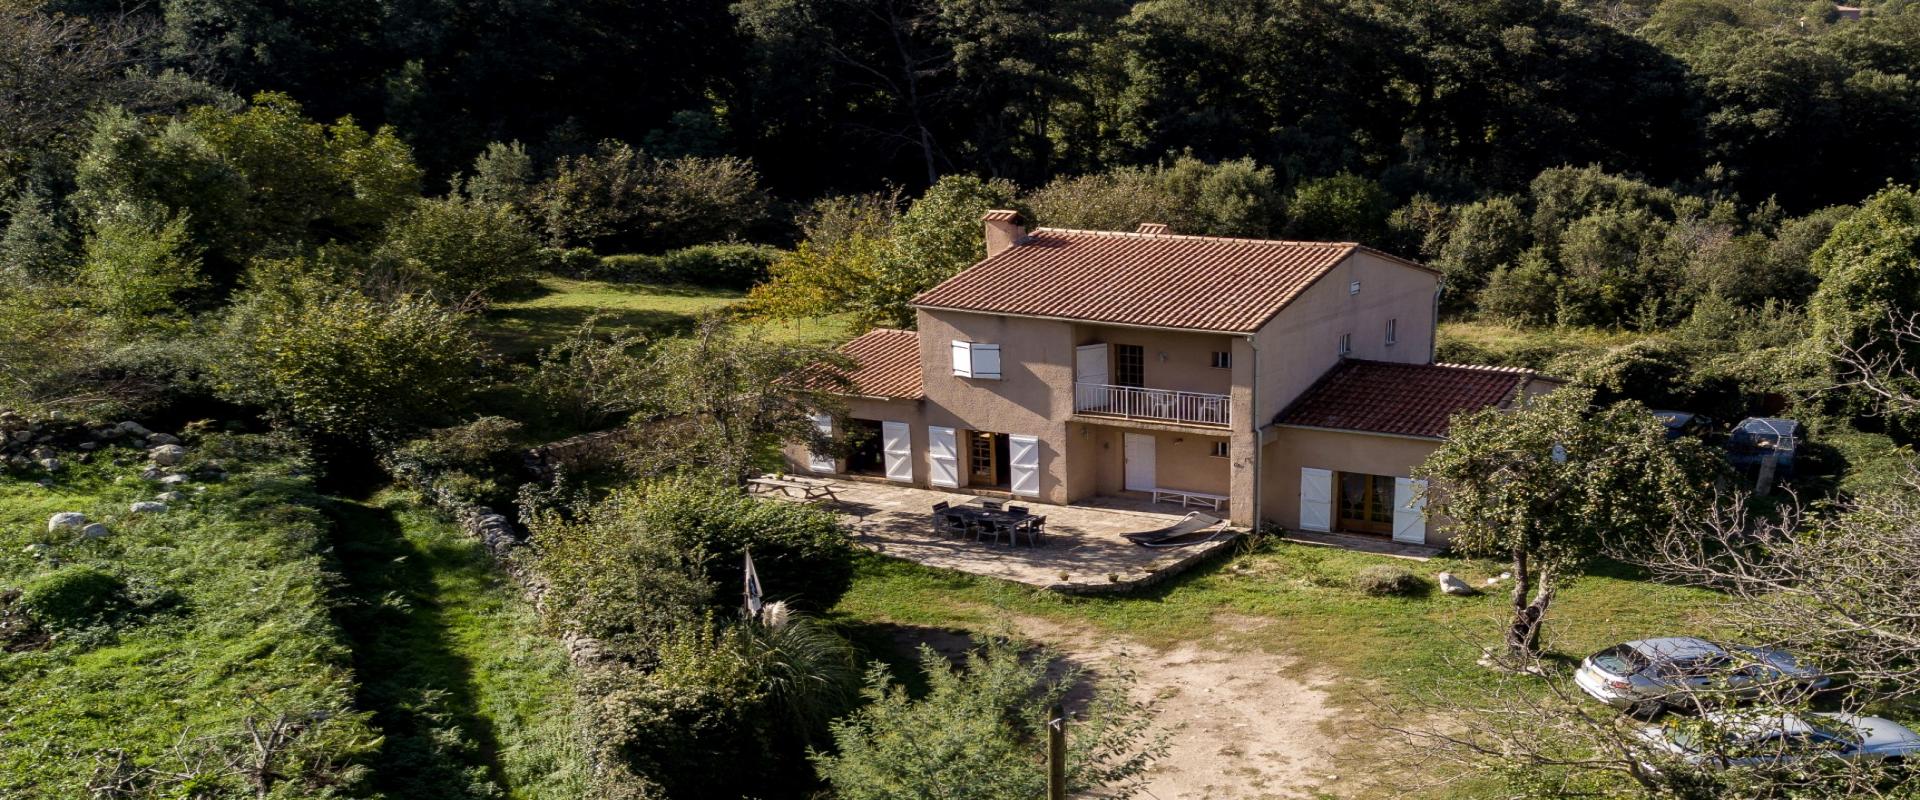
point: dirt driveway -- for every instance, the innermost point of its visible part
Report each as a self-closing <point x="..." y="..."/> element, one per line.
<point x="1245" y="725"/>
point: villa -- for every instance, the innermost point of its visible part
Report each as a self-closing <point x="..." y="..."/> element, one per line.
<point x="1286" y="382"/>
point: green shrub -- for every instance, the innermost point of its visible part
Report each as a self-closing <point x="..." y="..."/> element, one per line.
<point x="1387" y="580"/>
<point x="801" y="552"/>
<point x="75" y="597"/>
<point x="572" y="262"/>
<point x="721" y="266"/>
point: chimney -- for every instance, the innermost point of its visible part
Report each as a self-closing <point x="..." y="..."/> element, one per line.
<point x="1003" y="230"/>
<point x="1152" y="228"/>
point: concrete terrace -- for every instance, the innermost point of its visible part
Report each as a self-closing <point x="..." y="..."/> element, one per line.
<point x="1083" y="542"/>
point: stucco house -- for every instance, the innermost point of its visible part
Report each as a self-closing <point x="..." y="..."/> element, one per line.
<point x="1291" y="382"/>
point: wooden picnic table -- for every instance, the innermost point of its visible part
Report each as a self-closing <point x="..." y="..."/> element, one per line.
<point x="809" y="488"/>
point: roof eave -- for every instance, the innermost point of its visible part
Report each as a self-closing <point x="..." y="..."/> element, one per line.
<point x="1360" y="432"/>
<point x="1084" y="320"/>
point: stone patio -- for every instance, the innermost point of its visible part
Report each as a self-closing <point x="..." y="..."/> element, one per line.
<point x="1083" y="551"/>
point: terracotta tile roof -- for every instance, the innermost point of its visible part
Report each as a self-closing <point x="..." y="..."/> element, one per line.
<point x="1405" y="399"/>
<point x="887" y="363"/>
<point x="1157" y="280"/>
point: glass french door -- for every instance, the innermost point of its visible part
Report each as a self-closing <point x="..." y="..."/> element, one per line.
<point x="1365" y="504"/>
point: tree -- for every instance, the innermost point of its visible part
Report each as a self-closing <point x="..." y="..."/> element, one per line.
<point x="1548" y="485"/>
<point x="938" y="236"/>
<point x="726" y="400"/>
<point x="621" y="198"/>
<point x="502" y="173"/>
<point x="140" y="265"/>
<point x="331" y="363"/>
<point x="1482" y="237"/>
<point x="979" y="733"/>
<point x="1869" y="271"/>
<point x="459" y="249"/>
<point x="1344" y="208"/>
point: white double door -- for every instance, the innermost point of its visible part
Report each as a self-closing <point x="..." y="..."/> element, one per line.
<point x="1023" y="460"/>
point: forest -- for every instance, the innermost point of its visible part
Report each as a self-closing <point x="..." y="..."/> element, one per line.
<point x="363" y="254"/>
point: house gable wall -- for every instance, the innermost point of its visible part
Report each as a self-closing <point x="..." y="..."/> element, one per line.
<point x="1302" y="342"/>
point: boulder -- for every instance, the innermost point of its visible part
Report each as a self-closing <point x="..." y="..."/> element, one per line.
<point x="1452" y="585"/>
<point x="134" y="428"/>
<point x="95" y="531"/>
<point x="51" y="464"/>
<point x="66" y="519"/>
<point x="169" y="497"/>
<point x="174" y="480"/>
<point x="23" y="437"/>
<point x="163" y="438"/>
<point x="147" y="507"/>
<point x="167" y="455"/>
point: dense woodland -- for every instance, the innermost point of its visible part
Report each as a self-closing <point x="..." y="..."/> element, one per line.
<point x="298" y="223"/>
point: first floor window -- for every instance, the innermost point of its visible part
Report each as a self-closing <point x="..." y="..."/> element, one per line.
<point x="1346" y="343"/>
<point x="1393" y="331"/>
<point x="976" y="360"/>
<point x="1222" y="359"/>
<point x="1220" y="450"/>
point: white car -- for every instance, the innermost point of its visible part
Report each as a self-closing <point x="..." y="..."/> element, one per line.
<point x="1647" y="675"/>
<point x="1777" y="739"/>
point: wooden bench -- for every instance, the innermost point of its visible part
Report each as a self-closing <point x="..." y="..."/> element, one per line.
<point x="809" y="488"/>
<point x="1187" y="498"/>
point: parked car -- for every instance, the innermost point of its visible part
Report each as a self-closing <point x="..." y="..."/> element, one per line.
<point x="1649" y="675"/>
<point x="1683" y="423"/>
<point x="1755" y="437"/>
<point x="1782" y="739"/>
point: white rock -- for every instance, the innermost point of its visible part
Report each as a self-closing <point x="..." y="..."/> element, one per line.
<point x="89" y="445"/>
<point x="167" y="455"/>
<point x="95" y="531"/>
<point x="147" y="507"/>
<point x="1452" y="585"/>
<point x="169" y="497"/>
<point x="37" y="549"/>
<point x="163" y="438"/>
<point x="51" y="464"/>
<point x="135" y="428"/>
<point x="174" y="480"/>
<point x="66" y="519"/>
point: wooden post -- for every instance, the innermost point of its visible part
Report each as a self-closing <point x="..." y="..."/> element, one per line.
<point x="1763" y="485"/>
<point x="1056" y="753"/>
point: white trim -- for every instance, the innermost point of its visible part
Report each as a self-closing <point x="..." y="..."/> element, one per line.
<point x="962" y="358"/>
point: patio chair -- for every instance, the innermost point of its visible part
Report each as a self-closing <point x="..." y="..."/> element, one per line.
<point x="941" y="506"/>
<point x="996" y="529"/>
<point x="1035" y="528"/>
<point x="992" y="505"/>
<point x="1017" y="509"/>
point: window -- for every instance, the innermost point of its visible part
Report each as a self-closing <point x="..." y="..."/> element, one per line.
<point x="1219" y="449"/>
<point x="1393" y="331"/>
<point x="976" y="360"/>
<point x="1222" y="359"/>
<point x="1346" y="343"/>
<point x="1353" y="288"/>
<point x="1129" y="365"/>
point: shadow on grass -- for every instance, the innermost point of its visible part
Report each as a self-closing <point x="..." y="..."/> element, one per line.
<point x="418" y="688"/>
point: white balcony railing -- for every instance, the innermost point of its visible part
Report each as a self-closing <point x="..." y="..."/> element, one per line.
<point x="1165" y="405"/>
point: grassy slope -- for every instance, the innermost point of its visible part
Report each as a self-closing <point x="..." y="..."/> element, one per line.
<point x="522" y="326"/>
<point x="466" y="687"/>
<point x="254" y="626"/>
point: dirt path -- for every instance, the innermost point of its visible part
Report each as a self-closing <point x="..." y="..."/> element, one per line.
<point x="1245" y="725"/>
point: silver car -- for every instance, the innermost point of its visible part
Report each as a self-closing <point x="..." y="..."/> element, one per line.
<point x="1781" y="739"/>
<point x="1649" y="675"/>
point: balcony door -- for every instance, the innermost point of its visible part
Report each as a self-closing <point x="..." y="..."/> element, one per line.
<point x="1129" y="365"/>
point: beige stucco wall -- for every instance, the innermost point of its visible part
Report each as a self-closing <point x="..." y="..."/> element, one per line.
<point x="1181" y="460"/>
<point x="1294" y="448"/>
<point x="1172" y="359"/>
<point x="1303" y="340"/>
<point x="1033" y="397"/>
<point x="879" y="410"/>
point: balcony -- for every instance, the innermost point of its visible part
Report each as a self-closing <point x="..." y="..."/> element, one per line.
<point x="1155" y="405"/>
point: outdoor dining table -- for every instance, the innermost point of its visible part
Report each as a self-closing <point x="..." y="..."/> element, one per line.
<point x="977" y="511"/>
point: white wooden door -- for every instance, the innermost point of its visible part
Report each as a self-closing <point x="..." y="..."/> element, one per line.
<point x="1139" y="472"/>
<point x="820" y="462"/>
<point x="943" y="456"/>
<point x="1316" y="499"/>
<point x="896" y="446"/>
<point x="1409" y="511"/>
<point x="1023" y="459"/>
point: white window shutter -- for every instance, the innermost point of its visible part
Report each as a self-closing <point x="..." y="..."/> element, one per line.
<point x="896" y="445"/>
<point x="943" y="455"/>
<point x="1316" y="499"/>
<point x="1409" y="511"/>
<point x="963" y="359"/>
<point x="1023" y="459"/>
<point x="986" y="361"/>
<point x="816" y="461"/>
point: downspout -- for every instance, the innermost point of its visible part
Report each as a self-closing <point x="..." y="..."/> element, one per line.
<point x="1253" y="401"/>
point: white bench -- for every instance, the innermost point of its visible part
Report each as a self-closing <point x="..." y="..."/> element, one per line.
<point x="1187" y="498"/>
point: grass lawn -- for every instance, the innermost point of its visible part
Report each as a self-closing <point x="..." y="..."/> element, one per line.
<point x="1495" y="343"/>
<point x="231" y="588"/>
<point x="1288" y="599"/>
<point x="522" y="326"/>
<point x="467" y="689"/>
